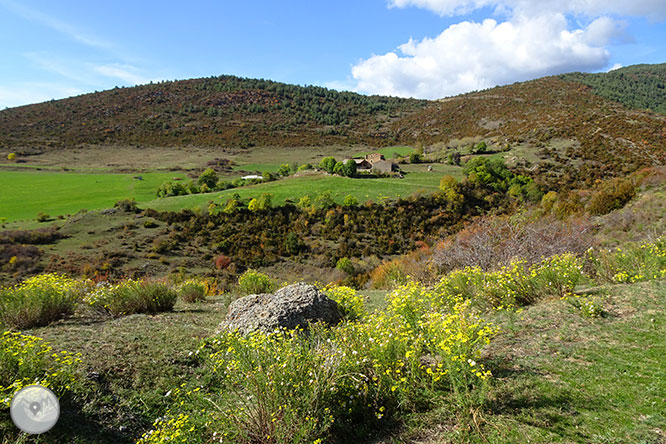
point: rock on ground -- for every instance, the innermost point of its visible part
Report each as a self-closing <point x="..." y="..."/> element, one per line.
<point x="290" y="307"/>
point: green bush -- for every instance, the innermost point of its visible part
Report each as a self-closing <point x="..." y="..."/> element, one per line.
<point x="254" y="282"/>
<point x="43" y="217"/>
<point x="345" y="265"/>
<point x="631" y="263"/>
<point x="192" y="290"/>
<point x="132" y="296"/>
<point x="350" y="201"/>
<point x="27" y="360"/>
<point x="39" y="301"/>
<point x="208" y="178"/>
<point x="327" y="164"/>
<point x="350" y="303"/>
<point x="514" y="285"/>
<point x="415" y="158"/>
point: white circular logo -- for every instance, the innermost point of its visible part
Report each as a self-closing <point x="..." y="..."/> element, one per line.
<point x="34" y="409"/>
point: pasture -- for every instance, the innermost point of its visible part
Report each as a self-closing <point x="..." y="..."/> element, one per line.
<point x="312" y="184"/>
<point x="26" y="193"/>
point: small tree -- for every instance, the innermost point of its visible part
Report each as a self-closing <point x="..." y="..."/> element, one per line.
<point x="208" y="178"/>
<point x="337" y="169"/>
<point x="349" y="168"/>
<point x="327" y="164"/>
<point x="284" y="170"/>
<point x="415" y="158"/>
<point x="480" y="148"/>
<point x="451" y="190"/>
<point x="305" y="202"/>
<point x="265" y="201"/>
<point x="345" y="265"/>
<point x="324" y="200"/>
<point x="350" y="201"/>
<point x="11" y="156"/>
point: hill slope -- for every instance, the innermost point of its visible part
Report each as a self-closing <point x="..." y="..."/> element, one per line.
<point x="216" y="111"/>
<point x="638" y="86"/>
<point x="578" y="135"/>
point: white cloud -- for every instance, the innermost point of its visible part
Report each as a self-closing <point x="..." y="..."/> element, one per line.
<point x="615" y="66"/>
<point x="654" y="9"/>
<point x="469" y="56"/>
<point x="127" y="73"/>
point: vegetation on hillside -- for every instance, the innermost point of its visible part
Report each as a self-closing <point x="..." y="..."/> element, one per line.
<point x="217" y="111"/>
<point x="637" y="86"/>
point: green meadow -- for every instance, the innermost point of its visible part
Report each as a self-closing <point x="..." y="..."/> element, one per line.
<point x="25" y="193"/>
<point x="28" y="192"/>
<point x="294" y="188"/>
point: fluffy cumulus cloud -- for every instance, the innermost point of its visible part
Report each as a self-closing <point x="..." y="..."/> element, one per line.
<point x="645" y="8"/>
<point x="470" y="56"/>
<point x="537" y="39"/>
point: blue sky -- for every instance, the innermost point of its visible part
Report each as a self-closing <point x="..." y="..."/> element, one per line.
<point x="420" y="48"/>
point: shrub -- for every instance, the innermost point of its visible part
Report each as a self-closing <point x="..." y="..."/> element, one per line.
<point x="208" y="178"/>
<point x="174" y="430"/>
<point x="284" y="170"/>
<point x="192" y="290"/>
<point x="222" y="262"/>
<point x="43" y="217"/>
<point x="39" y="300"/>
<point x="513" y="285"/>
<point x="350" y="303"/>
<point x="612" y="195"/>
<point x="27" y="360"/>
<point x="324" y="200"/>
<point x="132" y="296"/>
<point x="127" y="206"/>
<point x="631" y="263"/>
<point x="349" y="168"/>
<point x="345" y="265"/>
<point x="149" y="223"/>
<point x="254" y="282"/>
<point x="388" y="275"/>
<point x="338" y="168"/>
<point x="327" y="164"/>
<point x="350" y="201"/>
<point x="305" y="202"/>
<point x="309" y="388"/>
<point x="415" y="158"/>
<point x="11" y="156"/>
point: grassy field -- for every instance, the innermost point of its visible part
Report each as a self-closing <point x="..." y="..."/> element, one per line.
<point x="558" y="377"/>
<point x="314" y="184"/>
<point x="26" y="193"/>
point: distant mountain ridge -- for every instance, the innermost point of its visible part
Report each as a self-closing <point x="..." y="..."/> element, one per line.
<point x="216" y="111"/>
<point x="578" y="134"/>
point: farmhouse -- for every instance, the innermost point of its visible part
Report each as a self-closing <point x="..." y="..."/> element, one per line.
<point x="374" y="157"/>
<point x="361" y="164"/>
<point x="384" y="166"/>
<point x="253" y="176"/>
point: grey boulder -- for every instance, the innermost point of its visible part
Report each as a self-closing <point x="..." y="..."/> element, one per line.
<point x="290" y="307"/>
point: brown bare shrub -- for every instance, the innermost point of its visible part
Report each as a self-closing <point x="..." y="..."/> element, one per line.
<point x="493" y="242"/>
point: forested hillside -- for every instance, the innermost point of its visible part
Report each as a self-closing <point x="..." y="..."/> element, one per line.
<point x="638" y="86"/>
